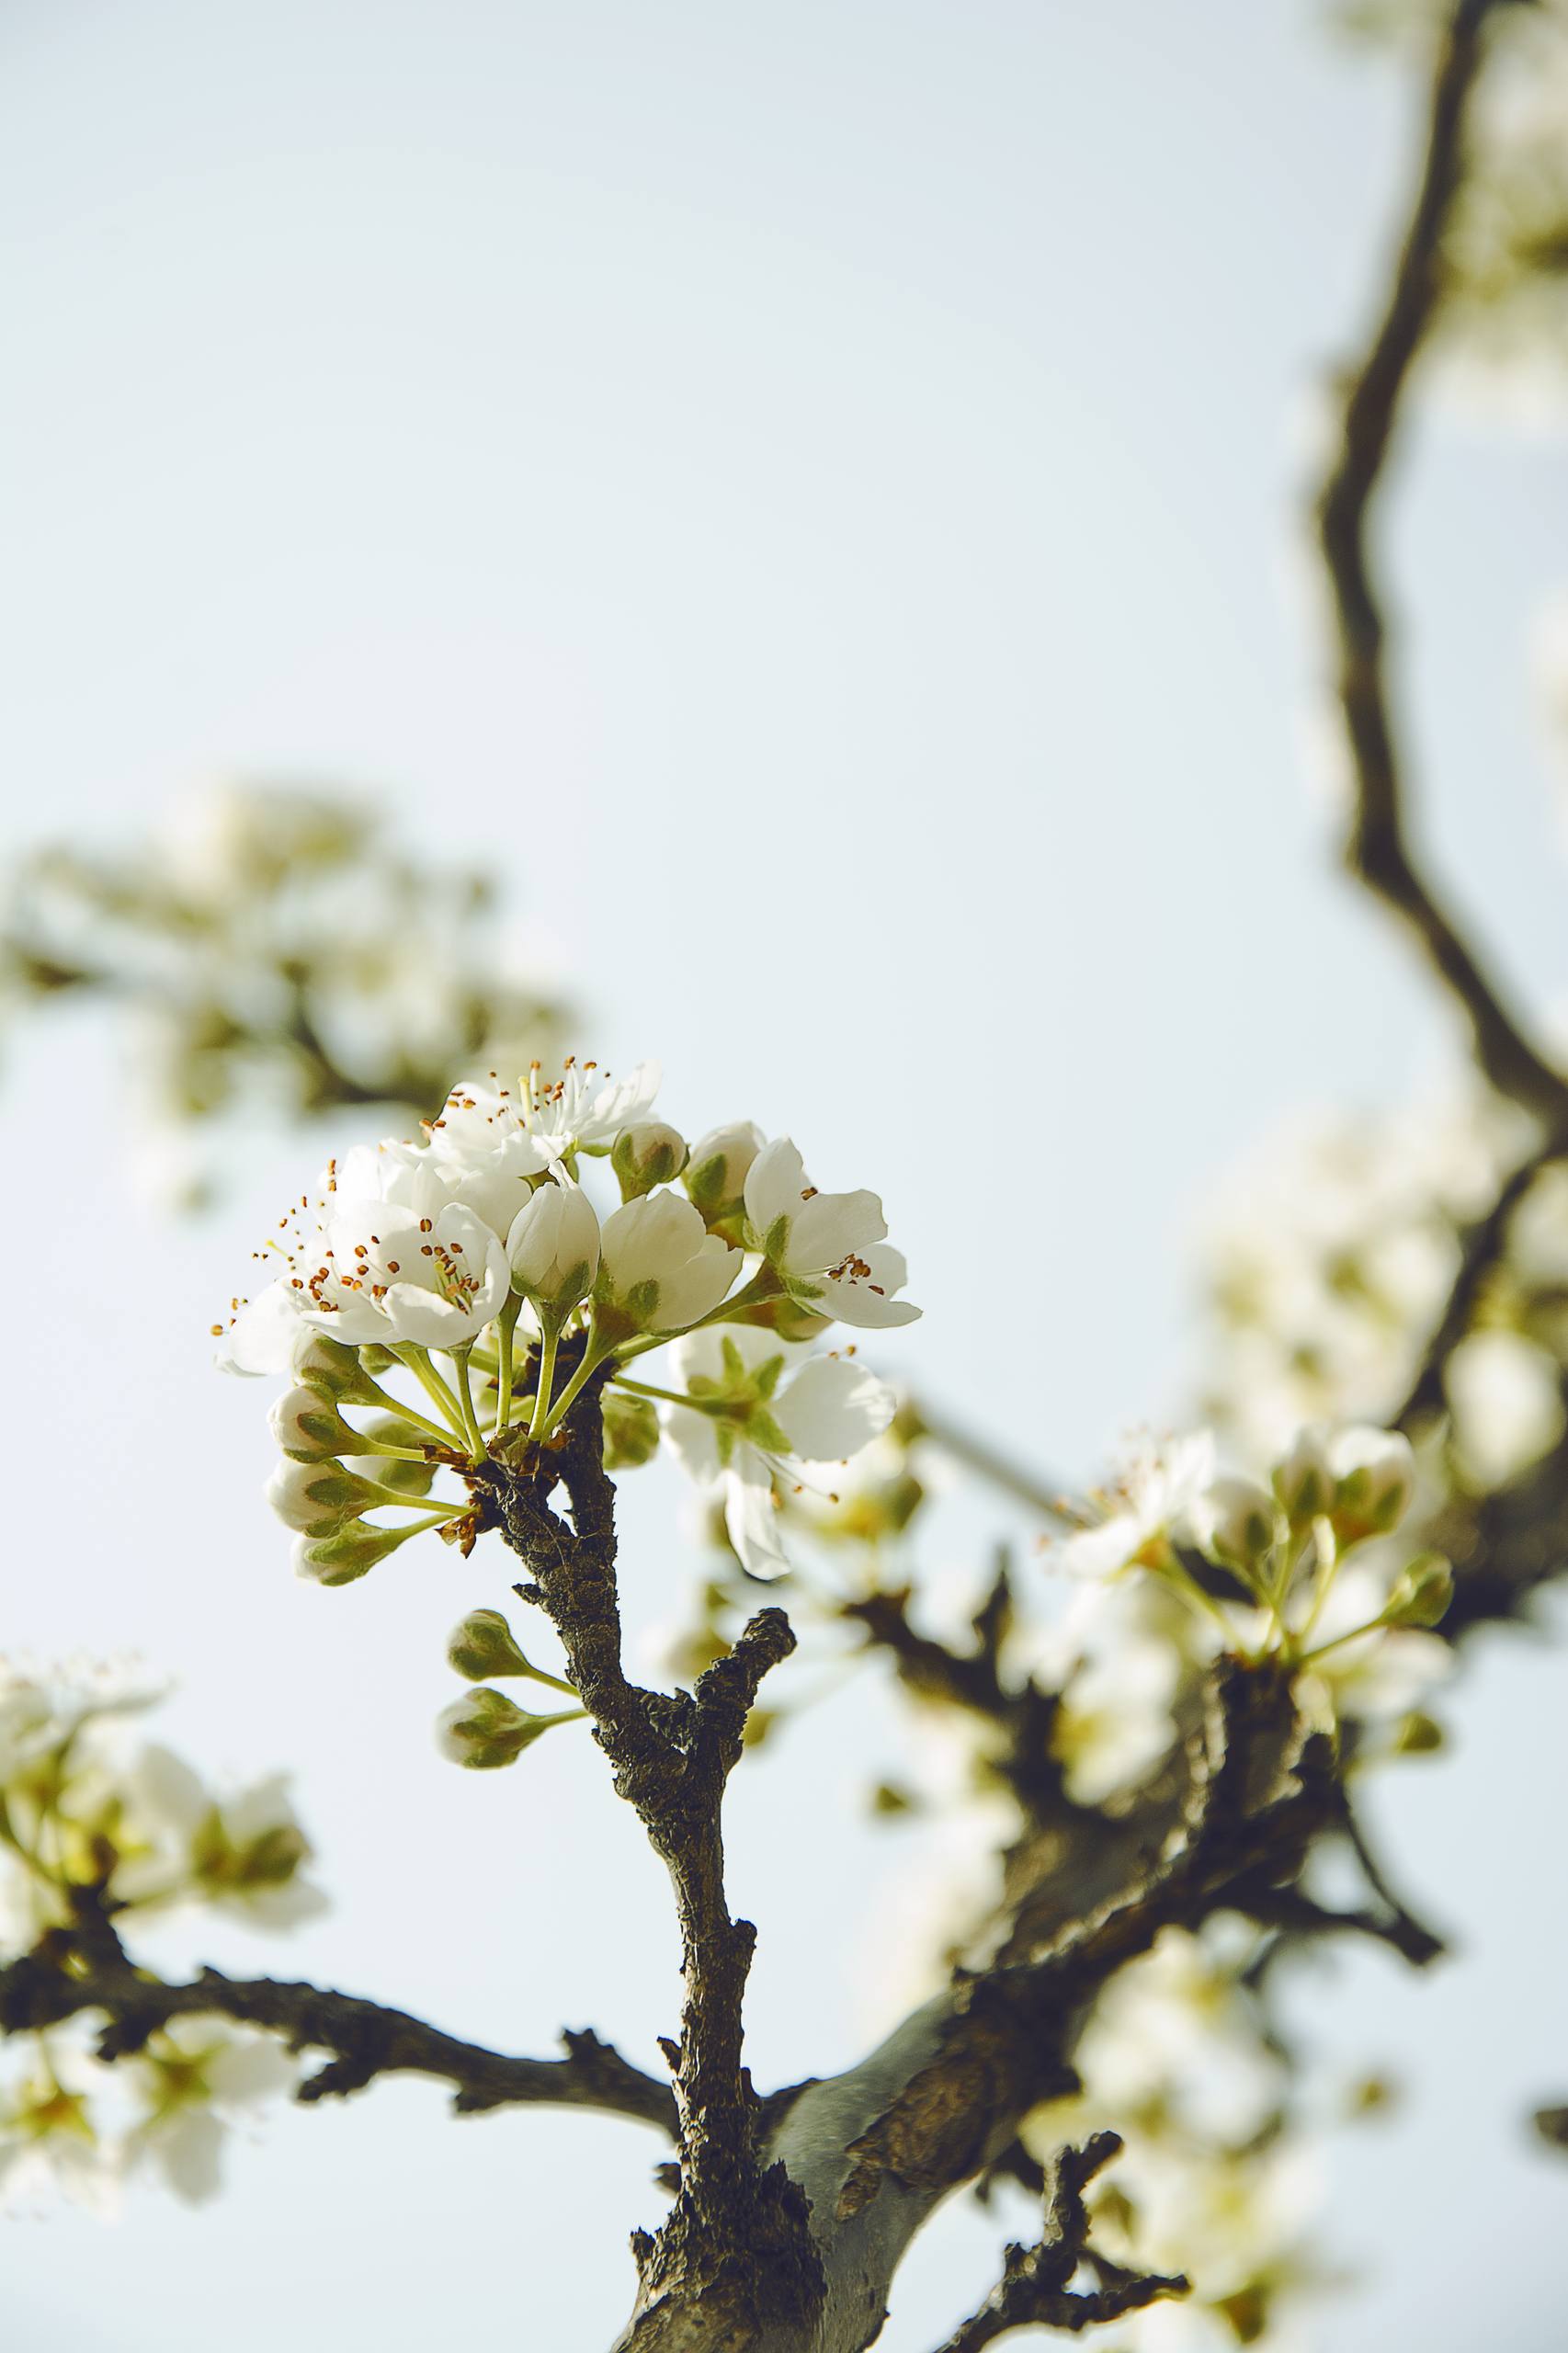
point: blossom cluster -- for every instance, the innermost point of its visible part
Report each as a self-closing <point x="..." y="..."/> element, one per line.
<point x="87" y="1805"/>
<point x="275" y="946"/>
<point x="440" y="1303"/>
<point x="1305" y="1569"/>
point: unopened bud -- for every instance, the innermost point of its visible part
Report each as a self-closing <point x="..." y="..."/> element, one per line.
<point x="716" y="1173"/>
<point x="316" y="1498"/>
<point x="631" y="1430"/>
<point x="484" y="1729"/>
<point x="1423" y="1594"/>
<point x="1303" y="1481"/>
<point x="651" y="1154"/>
<point x="309" y="1428"/>
<point x="334" y="1370"/>
<point x="484" y="1645"/>
<point x="1237" y="1522"/>
<point x="339" y="1559"/>
<point x="553" y="1246"/>
<point x="1374" y="1480"/>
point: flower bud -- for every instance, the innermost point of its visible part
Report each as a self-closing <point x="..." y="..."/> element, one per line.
<point x="339" y="1559"/>
<point x="651" y="1154"/>
<point x="553" y="1246"/>
<point x="316" y="1498"/>
<point x="1419" y="1735"/>
<point x="1374" y="1480"/>
<point x="1303" y="1479"/>
<point x="309" y="1428"/>
<point x="1237" y="1522"/>
<point x="333" y="1370"/>
<point x="1423" y="1594"/>
<point x="484" y="1729"/>
<point x="484" y="1645"/>
<point x="631" y="1430"/>
<point x="716" y="1173"/>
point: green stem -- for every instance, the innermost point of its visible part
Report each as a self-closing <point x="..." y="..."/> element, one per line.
<point x="465" y="1399"/>
<point x="405" y="1412"/>
<point x="417" y="1359"/>
<point x="539" y="1420"/>
<point x="509" y="1314"/>
<point x="594" y="1351"/>
<point x="669" y="1396"/>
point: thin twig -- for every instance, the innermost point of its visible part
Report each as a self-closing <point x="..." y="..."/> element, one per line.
<point x="1033" y="2291"/>
<point x="366" y="2038"/>
<point x="1378" y="850"/>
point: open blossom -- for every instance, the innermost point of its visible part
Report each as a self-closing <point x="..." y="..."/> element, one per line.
<point x="245" y="1853"/>
<point x="751" y="1417"/>
<point x="49" y="2146"/>
<point x="388" y="1274"/>
<point x="541" y="1121"/>
<point x="660" y="1268"/>
<point x="828" y="1249"/>
<point x="1160" y="1490"/>
<point x="195" y="2078"/>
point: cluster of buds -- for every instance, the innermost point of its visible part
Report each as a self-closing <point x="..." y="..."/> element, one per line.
<point x="457" y="1297"/>
<point x="1263" y="1567"/>
<point x="84" y="1804"/>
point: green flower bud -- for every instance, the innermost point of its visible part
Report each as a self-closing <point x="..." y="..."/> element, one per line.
<point x="1423" y="1593"/>
<point x="1303" y="1481"/>
<point x="315" y="1498"/>
<point x="336" y="1371"/>
<point x="309" y="1428"/>
<point x="339" y="1559"/>
<point x="484" y="1645"/>
<point x="631" y="1430"/>
<point x="1241" y="1523"/>
<point x="1375" y="1478"/>
<point x="716" y="1173"/>
<point x="651" y="1154"/>
<point x="484" y="1729"/>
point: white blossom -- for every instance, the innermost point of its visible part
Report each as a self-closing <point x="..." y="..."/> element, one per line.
<point x="388" y="1274"/>
<point x="1153" y="1501"/>
<point x="751" y="1419"/>
<point x="828" y="1249"/>
<point x="539" y="1123"/>
<point x="553" y="1246"/>
<point x="197" y="2078"/>
<point x="660" y="1269"/>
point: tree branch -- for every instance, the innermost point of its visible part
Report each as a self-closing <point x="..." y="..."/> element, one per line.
<point x="736" y="2238"/>
<point x="1480" y="1248"/>
<point x="1377" y="850"/>
<point x="366" y="2038"/>
<point x="1033" y="2291"/>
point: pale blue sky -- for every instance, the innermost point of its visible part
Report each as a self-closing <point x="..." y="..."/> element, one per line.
<point x="804" y="492"/>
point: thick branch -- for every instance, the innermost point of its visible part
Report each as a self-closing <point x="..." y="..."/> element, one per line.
<point x="1378" y="851"/>
<point x="1033" y="2291"/>
<point x="366" y="2040"/>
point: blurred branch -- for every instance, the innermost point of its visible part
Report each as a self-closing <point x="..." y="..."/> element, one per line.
<point x="1033" y="2291"/>
<point x="1032" y="1487"/>
<point x="367" y="2039"/>
<point x="1378" y="851"/>
<point x="1482" y="1246"/>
